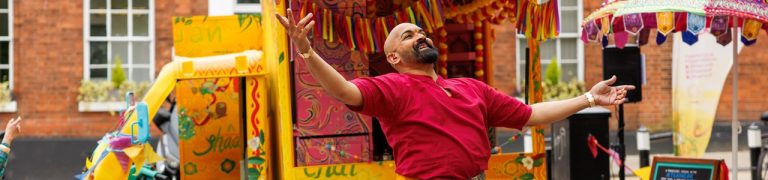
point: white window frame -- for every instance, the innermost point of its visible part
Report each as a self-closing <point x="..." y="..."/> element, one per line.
<point x="520" y="53"/>
<point x="9" y="39"/>
<point x="241" y="8"/>
<point x="9" y="107"/>
<point x="87" y="38"/>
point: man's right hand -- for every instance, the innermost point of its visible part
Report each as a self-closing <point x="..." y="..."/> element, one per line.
<point x="297" y="31"/>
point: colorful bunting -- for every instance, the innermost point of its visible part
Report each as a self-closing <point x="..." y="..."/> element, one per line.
<point x="633" y="23"/>
<point x="665" y="22"/>
<point x="719" y="25"/>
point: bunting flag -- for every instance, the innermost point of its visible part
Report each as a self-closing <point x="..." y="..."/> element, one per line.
<point x="367" y="34"/>
<point x="665" y="22"/>
<point x="633" y="23"/>
<point x="750" y="29"/>
<point x="538" y="21"/>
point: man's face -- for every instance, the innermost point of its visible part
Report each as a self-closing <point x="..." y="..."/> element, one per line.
<point x="415" y="47"/>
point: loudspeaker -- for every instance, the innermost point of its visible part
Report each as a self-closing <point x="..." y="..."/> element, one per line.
<point x="627" y="65"/>
<point x="571" y="157"/>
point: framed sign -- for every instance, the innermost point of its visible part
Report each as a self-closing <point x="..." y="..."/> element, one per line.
<point x="673" y="168"/>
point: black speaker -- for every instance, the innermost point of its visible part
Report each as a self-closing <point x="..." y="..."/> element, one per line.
<point x="627" y="65"/>
<point x="571" y="157"/>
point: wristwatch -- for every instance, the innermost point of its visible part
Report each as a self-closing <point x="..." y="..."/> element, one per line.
<point x="590" y="99"/>
<point x="304" y="55"/>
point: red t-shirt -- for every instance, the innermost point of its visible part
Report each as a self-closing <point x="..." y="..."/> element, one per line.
<point x="433" y="135"/>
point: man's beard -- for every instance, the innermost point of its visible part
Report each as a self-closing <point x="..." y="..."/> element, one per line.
<point x="427" y="56"/>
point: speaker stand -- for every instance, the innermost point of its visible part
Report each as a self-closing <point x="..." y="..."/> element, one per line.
<point x="622" y="155"/>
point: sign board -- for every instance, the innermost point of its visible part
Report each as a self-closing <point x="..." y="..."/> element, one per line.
<point x="672" y="168"/>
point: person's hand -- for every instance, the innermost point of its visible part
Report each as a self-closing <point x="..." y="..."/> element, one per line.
<point x="606" y="95"/>
<point x="12" y="129"/>
<point x="297" y="31"/>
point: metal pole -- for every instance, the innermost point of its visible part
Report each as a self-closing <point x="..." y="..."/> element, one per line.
<point x="622" y="155"/>
<point x="644" y="146"/>
<point x="755" y="142"/>
<point x="735" y="114"/>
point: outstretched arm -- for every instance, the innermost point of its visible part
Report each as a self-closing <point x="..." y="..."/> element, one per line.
<point x="603" y="93"/>
<point x="333" y="83"/>
<point x="11" y="130"/>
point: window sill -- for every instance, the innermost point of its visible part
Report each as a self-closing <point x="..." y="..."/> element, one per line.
<point x="100" y="106"/>
<point x="9" y="107"/>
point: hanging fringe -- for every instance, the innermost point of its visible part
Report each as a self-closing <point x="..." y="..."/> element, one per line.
<point x="538" y="21"/>
<point x="368" y="34"/>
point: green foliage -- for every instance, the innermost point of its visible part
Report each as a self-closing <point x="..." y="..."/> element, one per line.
<point x="561" y="91"/>
<point x="105" y="91"/>
<point x="118" y="75"/>
<point x="552" y="75"/>
<point x="5" y="92"/>
<point x="94" y="91"/>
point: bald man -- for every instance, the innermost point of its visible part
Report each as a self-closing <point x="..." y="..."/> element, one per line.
<point x="436" y="126"/>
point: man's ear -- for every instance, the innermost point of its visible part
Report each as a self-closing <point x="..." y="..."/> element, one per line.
<point x="392" y="58"/>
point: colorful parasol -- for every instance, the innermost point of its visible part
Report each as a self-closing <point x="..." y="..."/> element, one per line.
<point x="691" y="18"/>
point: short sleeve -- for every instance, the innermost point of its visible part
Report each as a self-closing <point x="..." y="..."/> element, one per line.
<point x="376" y="94"/>
<point x="504" y="110"/>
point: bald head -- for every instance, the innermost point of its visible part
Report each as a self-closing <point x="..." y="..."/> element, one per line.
<point x="394" y="36"/>
<point x="407" y="45"/>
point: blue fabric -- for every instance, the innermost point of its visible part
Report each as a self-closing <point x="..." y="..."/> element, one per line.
<point x="660" y="38"/>
<point x="748" y="42"/>
<point x="690" y="38"/>
<point x="3" y="161"/>
<point x="605" y="41"/>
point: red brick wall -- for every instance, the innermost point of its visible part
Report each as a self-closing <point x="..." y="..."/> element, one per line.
<point x="48" y="64"/>
<point x="656" y="108"/>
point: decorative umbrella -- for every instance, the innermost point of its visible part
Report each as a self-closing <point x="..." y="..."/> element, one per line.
<point x="690" y="17"/>
<point x="754" y="16"/>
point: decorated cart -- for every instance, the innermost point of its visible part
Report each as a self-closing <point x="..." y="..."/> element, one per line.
<point x="248" y="108"/>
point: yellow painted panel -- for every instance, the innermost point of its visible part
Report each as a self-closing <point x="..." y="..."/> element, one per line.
<point x="210" y="128"/>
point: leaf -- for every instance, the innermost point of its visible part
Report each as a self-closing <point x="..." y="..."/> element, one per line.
<point x="176" y="21"/>
<point x="255" y="160"/>
<point x="253" y="173"/>
<point x="205" y="19"/>
<point x="540" y="131"/>
<point x="527" y="176"/>
<point x="261" y="137"/>
<point x="281" y="58"/>
<point x="188" y="22"/>
<point x="538" y="162"/>
<point x="519" y="159"/>
<point x="240" y="19"/>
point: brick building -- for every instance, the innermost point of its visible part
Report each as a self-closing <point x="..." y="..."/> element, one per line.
<point x="50" y="43"/>
<point x="655" y="110"/>
<point x="51" y="46"/>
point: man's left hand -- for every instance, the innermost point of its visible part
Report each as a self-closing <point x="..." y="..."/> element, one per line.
<point x="606" y="95"/>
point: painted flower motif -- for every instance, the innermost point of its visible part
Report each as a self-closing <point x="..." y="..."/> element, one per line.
<point x="254" y="143"/>
<point x="528" y="162"/>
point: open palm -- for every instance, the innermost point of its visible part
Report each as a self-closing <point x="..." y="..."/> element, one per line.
<point x="606" y="95"/>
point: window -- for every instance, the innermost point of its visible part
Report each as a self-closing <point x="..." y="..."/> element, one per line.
<point x="567" y="48"/>
<point x="247" y="6"/>
<point x="6" y="41"/>
<point x="121" y="29"/>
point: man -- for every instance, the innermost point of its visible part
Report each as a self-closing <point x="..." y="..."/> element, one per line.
<point x="12" y="129"/>
<point x="436" y="126"/>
